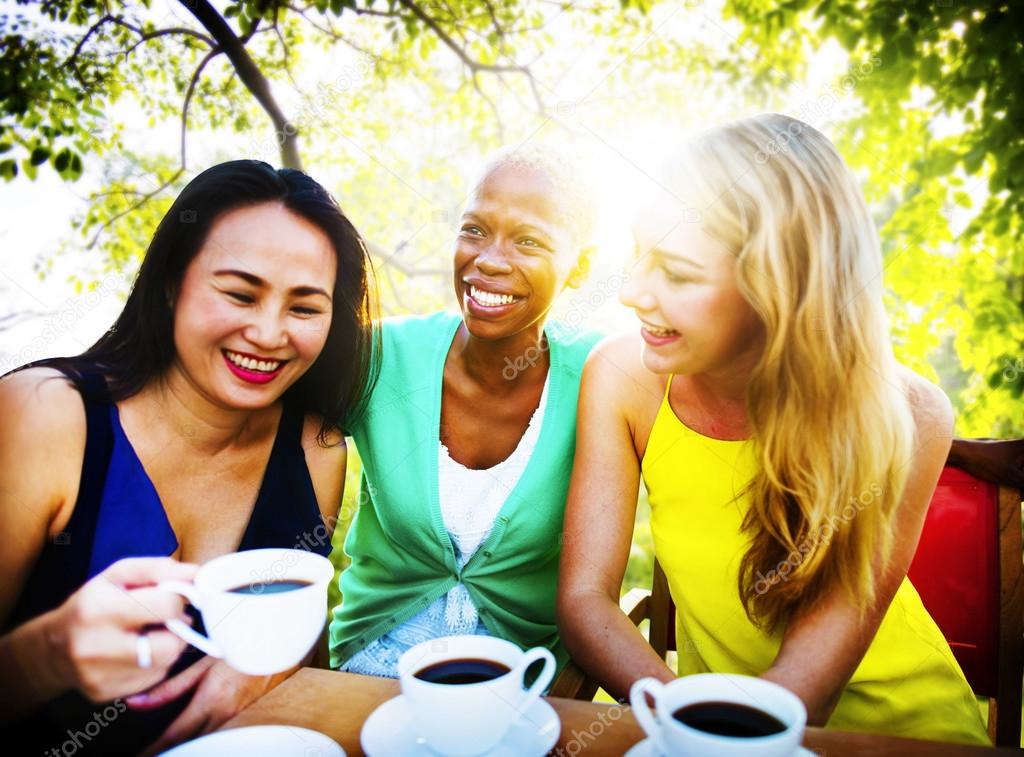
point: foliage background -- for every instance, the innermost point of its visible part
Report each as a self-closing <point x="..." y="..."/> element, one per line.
<point x="922" y="98"/>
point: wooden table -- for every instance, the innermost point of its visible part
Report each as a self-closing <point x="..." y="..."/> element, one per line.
<point x="338" y="704"/>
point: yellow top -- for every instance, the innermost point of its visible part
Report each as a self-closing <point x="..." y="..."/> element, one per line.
<point x="908" y="684"/>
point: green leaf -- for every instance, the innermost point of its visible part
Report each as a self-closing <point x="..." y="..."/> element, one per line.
<point x="974" y="158"/>
<point x="8" y="169"/>
<point x="39" y="156"/>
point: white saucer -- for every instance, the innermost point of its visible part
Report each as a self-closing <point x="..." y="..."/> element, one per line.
<point x="260" y="741"/>
<point x="645" y="748"/>
<point x="388" y="733"/>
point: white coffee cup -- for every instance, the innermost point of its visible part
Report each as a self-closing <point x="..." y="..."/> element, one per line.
<point x="670" y="736"/>
<point x="470" y="718"/>
<point x="262" y="630"/>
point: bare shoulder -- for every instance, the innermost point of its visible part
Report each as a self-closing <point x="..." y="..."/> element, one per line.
<point x="616" y="365"/>
<point x="42" y="403"/>
<point x="326" y="460"/>
<point x="931" y="408"/>
<point x="42" y="438"/>
<point x="933" y="436"/>
<point x="617" y="385"/>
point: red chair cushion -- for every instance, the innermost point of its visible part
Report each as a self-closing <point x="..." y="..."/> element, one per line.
<point x="956" y="572"/>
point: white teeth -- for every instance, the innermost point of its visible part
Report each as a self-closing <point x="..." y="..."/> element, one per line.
<point x="490" y="299"/>
<point x="659" y="331"/>
<point x="266" y="366"/>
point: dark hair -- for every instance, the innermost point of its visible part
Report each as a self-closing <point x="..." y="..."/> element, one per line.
<point x="139" y="347"/>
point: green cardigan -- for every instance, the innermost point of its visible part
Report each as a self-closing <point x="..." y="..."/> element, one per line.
<point x="402" y="557"/>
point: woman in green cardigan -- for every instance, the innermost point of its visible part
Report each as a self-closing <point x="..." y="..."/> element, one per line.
<point x="467" y="441"/>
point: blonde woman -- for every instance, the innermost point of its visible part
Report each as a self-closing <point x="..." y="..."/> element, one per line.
<point x="789" y="459"/>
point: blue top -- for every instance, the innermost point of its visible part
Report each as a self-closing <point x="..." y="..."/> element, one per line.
<point x="132" y="521"/>
<point x="119" y="514"/>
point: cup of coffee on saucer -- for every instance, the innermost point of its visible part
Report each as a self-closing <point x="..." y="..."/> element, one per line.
<point x="719" y="714"/>
<point x="263" y="609"/>
<point x="465" y="692"/>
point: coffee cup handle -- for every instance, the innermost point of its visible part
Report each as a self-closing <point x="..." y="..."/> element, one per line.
<point x="529" y="657"/>
<point x="184" y="630"/>
<point x="641" y="710"/>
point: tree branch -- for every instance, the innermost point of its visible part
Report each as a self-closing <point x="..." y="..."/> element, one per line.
<point x="250" y="75"/>
<point x="146" y="36"/>
<point x="494" y="108"/>
<point x="391" y="259"/>
<point x="143" y="38"/>
<point x="131" y="208"/>
<point x="474" y="65"/>
<point x="331" y="32"/>
<point x="188" y="97"/>
<point x="165" y="32"/>
<point x="285" y="52"/>
<point x="73" y="58"/>
<point x="494" y="17"/>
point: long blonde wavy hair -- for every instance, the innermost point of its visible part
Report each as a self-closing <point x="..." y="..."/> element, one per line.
<point x="829" y="417"/>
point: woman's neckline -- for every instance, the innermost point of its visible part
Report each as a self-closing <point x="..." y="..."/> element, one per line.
<point x="531" y="427"/>
<point x="667" y="400"/>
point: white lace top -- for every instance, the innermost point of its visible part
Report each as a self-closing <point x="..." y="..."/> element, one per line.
<point x="470" y="501"/>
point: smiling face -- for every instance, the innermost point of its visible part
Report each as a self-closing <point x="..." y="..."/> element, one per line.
<point x="694" y="320"/>
<point x="254" y="307"/>
<point x="514" y="253"/>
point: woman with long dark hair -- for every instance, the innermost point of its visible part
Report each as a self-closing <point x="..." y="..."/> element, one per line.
<point x="201" y="423"/>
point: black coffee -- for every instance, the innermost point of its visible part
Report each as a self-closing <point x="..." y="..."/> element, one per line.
<point x="270" y="587"/>
<point x="729" y="719"/>
<point x="466" y="670"/>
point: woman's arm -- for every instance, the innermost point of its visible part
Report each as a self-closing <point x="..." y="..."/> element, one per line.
<point x="599" y="517"/>
<point x="823" y="645"/>
<point x="327" y="464"/>
<point x="88" y="642"/>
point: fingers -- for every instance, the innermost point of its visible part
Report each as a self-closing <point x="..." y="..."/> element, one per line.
<point x="166" y="648"/>
<point x="146" y="571"/>
<point x="172" y="688"/>
<point x="148" y="606"/>
<point x="107" y="666"/>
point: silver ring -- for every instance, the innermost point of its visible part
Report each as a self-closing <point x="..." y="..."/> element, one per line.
<point x="143" y="651"/>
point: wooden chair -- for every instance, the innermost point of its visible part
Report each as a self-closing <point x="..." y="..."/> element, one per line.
<point x="968" y="569"/>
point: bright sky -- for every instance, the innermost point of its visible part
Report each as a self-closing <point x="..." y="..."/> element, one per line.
<point x="35" y="217"/>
